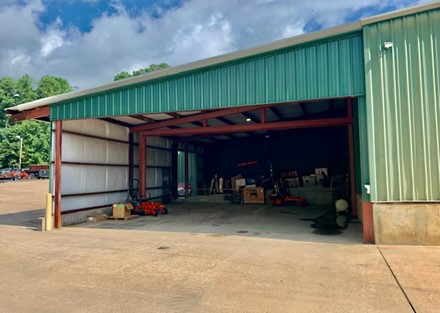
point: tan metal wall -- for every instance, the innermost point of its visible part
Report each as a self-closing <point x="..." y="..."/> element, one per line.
<point x="95" y="163"/>
<point x="403" y="107"/>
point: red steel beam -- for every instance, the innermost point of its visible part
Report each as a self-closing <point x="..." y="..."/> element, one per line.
<point x="28" y="115"/>
<point x="142" y="166"/>
<point x="198" y="117"/>
<point x="57" y="170"/>
<point x="251" y="127"/>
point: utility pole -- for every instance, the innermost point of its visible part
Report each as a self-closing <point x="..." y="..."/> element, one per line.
<point x="21" y="151"/>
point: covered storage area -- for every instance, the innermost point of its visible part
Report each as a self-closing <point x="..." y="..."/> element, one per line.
<point x="357" y="102"/>
<point x="213" y="155"/>
<point x="287" y="114"/>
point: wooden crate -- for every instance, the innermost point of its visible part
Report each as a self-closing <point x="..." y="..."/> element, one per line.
<point x="253" y="195"/>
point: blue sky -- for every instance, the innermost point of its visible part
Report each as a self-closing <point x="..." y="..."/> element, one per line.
<point x="89" y="41"/>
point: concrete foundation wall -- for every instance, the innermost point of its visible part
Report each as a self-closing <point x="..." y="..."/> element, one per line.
<point x="81" y="217"/>
<point x="407" y="223"/>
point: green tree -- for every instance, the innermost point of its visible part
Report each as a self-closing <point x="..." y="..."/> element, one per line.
<point x="51" y="86"/>
<point x="152" y="68"/>
<point x="25" y="90"/>
<point x="36" y="142"/>
<point x="13" y="92"/>
<point x="8" y="94"/>
<point x="122" y="75"/>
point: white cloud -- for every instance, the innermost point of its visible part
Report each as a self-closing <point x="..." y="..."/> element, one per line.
<point x="198" y="29"/>
<point x="53" y="39"/>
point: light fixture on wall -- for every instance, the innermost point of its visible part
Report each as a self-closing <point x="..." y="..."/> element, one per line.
<point x="387" y="44"/>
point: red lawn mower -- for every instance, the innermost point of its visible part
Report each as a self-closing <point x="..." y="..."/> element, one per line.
<point x="144" y="206"/>
<point x="281" y="196"/>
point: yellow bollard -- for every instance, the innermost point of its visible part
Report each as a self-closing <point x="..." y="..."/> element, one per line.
<point x="49" y="211"/>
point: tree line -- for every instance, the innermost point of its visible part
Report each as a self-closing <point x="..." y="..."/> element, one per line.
<point x="35" y="134"/>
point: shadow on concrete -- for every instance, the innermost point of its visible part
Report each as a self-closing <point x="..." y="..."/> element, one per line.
<point x="251" y="220"/>
<point x="24" y="219"/>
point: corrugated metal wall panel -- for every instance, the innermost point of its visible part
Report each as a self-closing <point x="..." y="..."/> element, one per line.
<point x="403" y="98"/>
<point x="325" y="69"/>
<point x="93" y="164"/>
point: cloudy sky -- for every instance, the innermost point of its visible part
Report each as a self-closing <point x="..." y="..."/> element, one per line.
<point x="89" y="41"/>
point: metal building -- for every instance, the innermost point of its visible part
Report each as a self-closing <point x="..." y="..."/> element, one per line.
<point x="375" y="83"/>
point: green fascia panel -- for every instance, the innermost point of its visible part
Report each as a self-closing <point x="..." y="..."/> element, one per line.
<point x="403" y="107"/>
<point x="324" y="69"/>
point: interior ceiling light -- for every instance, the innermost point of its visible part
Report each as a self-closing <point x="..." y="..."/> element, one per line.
<point x="248" y="120"/>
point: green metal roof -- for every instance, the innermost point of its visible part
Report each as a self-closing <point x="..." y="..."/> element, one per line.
<point x="324" y="69"/>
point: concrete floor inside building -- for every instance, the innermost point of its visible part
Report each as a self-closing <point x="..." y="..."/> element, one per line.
<point x="220" y="218"/>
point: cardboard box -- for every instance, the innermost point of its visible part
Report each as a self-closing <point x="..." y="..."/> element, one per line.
<point x="240" y="183"/>
<point x="234" y="182"/>
<point x="121" y="210"/>
<point x="253" y="195"/>
<point x="309" y="181"/>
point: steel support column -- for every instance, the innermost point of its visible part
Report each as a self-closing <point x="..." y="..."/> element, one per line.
<point x="186" y="170"/>
<point x="142" y="165"/>
<point x="57" y="170"/>
<point x="174" y="163"/>
<point x="367" y="222"/>
<point x="130" y="160"/>
<point x="354" y="209"/>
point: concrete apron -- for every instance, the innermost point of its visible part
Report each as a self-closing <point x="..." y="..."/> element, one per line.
<point x="406" y="223"/>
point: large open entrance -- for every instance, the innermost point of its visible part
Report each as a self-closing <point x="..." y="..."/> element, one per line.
<point x="307" y="148"/>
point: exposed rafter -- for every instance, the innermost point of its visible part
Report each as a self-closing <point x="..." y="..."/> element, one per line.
<point x="277" y="113"/>
<point x="198" y="117"/>
<point x="143" y="118"/>
<point x="303" y="109"/>
<point x="250" y="116"/>
<point x="220" y="130"/>
<point x="226" y="121"/>
<point x="116" y="122"/>
<point x="197" y="137"/>
<point x="176" y="115"/>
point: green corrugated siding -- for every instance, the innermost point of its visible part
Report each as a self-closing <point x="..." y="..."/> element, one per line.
<point x="324" y="69"/>
<point x="403" y="98"/>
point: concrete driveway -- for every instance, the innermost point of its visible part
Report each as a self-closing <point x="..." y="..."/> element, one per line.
<point x="98" y="269"/>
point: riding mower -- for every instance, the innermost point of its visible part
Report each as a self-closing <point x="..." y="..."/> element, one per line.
<point x="281" y="196"/>
<point x="143" y="206"/>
